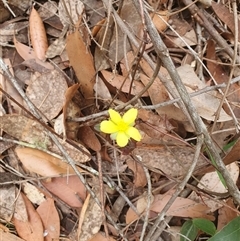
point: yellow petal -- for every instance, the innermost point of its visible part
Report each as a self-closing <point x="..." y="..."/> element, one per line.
<point x="108" y="127"/>
<point x="122" y="139"/>
<point x="134" y="133"/>
<point x="130" y="116"/>
<point x="114" y="116"/>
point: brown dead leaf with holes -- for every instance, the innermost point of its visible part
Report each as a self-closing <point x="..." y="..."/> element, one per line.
<point x="38" y="35"/>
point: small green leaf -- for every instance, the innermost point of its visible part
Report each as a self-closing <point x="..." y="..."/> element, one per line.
<point x="188" y="230"/>
<point x="229" y="232"/>
<point x="205" y="225"/>
<point x="229" y="145"/>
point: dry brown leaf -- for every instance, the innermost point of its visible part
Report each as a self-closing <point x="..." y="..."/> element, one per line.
<point x="154" y="125"/>
<point x="68" y="97"/>
<point x="206" y="103"/>
<point x="28" y="130"/>
<point x="82" y="62"/>
<point x="6" y="236"/>
<point x="91" y="220"/>
<point x="212" y="183"/>
<point x="33" y="193"/>
<point x="140" y="179"/>
<point x="31" y="230"/>
<point x="88" y="137"/>
<point x="43" y="163"/>
<point x="158" y="22"/>
<point x="30" y="58"/>
<point x="184" y="29"/>
<point x="8" y="87"/>
<point x="117" y="80"/>
<point x="101" y="90"/>
<point x="172" y="161"/>
<point x="141" y="206"/>
<point x="7" y="202"/>
<point x="221" y="76"/>
<point x="56" y="48"/>
<point x="48" y="10"/>
<point x="158" y="94"/>
<point x="47" y="92"/>
<point x="38" y="35"/>
<point x="50" y="219"/>
<point x="114" y="45"/>
<point x="69" y="189"/>
<point x="182" y="207"/>
<point x="70" y="9"/>
<point x="226" y="213"/>
<point x="226" y="16"/>
<point x="100" y="237"/>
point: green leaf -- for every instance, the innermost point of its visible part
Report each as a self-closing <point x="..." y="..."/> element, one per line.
<point x="219" y="174"/>
<point x="229" y="145"/>
<point x="189" y="230"/>
<point x="230" y="232"/>
<point x="205" y="225"/>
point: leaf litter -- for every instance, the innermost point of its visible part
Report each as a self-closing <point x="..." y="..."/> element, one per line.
<point x="82" y="60"/>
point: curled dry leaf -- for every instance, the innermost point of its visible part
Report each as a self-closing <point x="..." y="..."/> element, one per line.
<point x="38" y="35"/>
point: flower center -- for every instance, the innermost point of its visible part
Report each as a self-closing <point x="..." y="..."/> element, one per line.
<point x="122" y="126"/>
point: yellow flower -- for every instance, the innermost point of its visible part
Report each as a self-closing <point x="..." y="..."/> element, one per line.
<point x="121" y="128"/>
